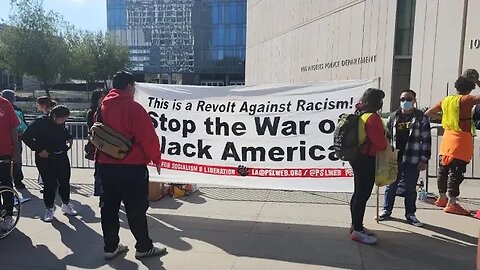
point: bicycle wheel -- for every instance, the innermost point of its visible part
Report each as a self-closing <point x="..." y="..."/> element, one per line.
<point x="8" y="217"/>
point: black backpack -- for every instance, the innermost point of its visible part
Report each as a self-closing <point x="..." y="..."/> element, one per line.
<point x="345" y="137"/>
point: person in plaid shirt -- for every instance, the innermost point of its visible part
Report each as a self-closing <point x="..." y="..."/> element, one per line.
<point x="408" y="130"/>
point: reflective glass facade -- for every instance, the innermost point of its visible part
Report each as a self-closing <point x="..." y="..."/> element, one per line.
<point x="204" y="38"/>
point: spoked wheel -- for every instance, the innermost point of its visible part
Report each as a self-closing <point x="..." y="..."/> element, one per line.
<point x="10" y="206"/>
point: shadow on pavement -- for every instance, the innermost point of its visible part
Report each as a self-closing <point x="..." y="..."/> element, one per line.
<point x="315" y="245"/>
<point x="17" y="250"/>
<point x="295" y="243"/>
<point x="441" y="233"/>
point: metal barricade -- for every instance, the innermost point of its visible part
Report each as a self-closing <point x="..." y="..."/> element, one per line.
<point x="79" y="131"/>
<point x="432" y="170"/>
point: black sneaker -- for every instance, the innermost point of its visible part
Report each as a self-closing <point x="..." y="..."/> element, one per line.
<point x="155" y="251"/>
<point x="19" y="185"/>
<point x="414" y="221"/>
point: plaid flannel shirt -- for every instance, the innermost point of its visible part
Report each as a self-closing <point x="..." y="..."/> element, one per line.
<point x="419" y="144"/>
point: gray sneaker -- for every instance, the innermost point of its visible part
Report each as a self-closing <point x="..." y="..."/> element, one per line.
<point x="363" y="237"/>
<point x="7" y="224"/>
<point x="49" y="214"/>
<point x="68" y="210"/>
<point x="155" y="251"/>
<point x="365" y="230"/>
<point x="383" y="215"/>
<point x="414" y="221"/>
<point x="120" y="249"/>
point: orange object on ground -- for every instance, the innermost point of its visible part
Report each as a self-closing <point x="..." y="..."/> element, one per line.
<point x="456" y="209"/>
<point x="441" y="202"/>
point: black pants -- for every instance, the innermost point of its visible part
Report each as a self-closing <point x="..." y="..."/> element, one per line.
<point x="451" y="176"/>
<point x="55" y="172"/>
<point x="97" y="184"/>
<point x="364" y="178"/>
<point x="130" y="184"/>
<point x="6" y="180"/>
<point x="17" y="167"/>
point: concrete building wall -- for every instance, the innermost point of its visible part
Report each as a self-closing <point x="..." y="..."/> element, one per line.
<point x="436" y="49"/>
<point x="318" y="40"/>
<point x="471" y="57"/>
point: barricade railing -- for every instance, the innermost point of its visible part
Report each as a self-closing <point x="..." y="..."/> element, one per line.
<point x="79" y="131"/>
<point x="432" y="169"/>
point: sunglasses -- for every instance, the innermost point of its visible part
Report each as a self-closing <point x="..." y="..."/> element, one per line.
<point x="406" y="99"/>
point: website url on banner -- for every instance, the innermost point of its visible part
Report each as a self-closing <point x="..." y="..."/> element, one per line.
<point x="258" y="172"/>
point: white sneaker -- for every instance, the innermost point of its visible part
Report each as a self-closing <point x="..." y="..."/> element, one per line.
<point x="49" y="213"/>
<point x="67" y="209"/>
<point x="363" y="237"/>
<point x="154" y="251"/>
<point x="7" y="224"/>
<point x="120" y="249"/>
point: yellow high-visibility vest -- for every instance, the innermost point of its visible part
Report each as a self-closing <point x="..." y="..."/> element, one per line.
<point x="451" y="114"/>
<point x="362" y="133"/>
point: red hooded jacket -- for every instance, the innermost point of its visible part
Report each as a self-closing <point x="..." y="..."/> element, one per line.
<point x="121" y="113"/>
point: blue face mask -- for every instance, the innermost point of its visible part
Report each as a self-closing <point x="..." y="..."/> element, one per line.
<point x="406" y="105"/>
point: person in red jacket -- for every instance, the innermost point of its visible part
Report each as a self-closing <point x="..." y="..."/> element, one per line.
<point x="127" y="179"/>
<point x="9" y="154"/>
<point x="364" y="165"/>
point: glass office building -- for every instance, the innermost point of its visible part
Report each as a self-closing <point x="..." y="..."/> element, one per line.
<point x="182" y="41"/>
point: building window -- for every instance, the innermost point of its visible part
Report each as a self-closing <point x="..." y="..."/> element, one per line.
<point x="404" y="28"/>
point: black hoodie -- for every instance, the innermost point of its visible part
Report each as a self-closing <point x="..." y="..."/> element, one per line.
<point x="45" y="134"/>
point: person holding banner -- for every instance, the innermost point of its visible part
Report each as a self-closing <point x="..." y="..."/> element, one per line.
<point x="8" y="155"/>
<point x="371" y="140"/>
<point x="408" y="130"/>
<point x="456" y="149"/>
<point x="127" y="179"/>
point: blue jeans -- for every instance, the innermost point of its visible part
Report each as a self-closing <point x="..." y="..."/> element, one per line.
<point x="409" y="173"/>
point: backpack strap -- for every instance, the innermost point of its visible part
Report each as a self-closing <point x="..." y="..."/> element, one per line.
<point x="99" y="114"/>
<point x="100" y="120"/>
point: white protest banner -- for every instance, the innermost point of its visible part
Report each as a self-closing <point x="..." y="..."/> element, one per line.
<point x="273" y="137"/>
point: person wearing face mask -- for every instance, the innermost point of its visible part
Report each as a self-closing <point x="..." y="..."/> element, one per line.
<point x="50" y="140"/>
<point x="408" y="130"/>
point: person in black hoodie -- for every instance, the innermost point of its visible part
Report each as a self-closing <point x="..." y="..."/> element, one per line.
<point x="50" y="140"/>
<point x="96" y="101"/>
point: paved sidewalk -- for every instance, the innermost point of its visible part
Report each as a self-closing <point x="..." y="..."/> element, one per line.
<point x="221" y="228"/>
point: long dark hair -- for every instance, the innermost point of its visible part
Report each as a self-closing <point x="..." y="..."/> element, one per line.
<point x="371" y="100"/>
<point x="96" y="96"/>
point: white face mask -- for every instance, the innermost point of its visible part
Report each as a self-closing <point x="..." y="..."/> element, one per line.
<point x="406" y="105"/>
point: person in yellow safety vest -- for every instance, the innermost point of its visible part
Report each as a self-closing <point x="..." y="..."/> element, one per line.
<point x="456" y="149"/>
